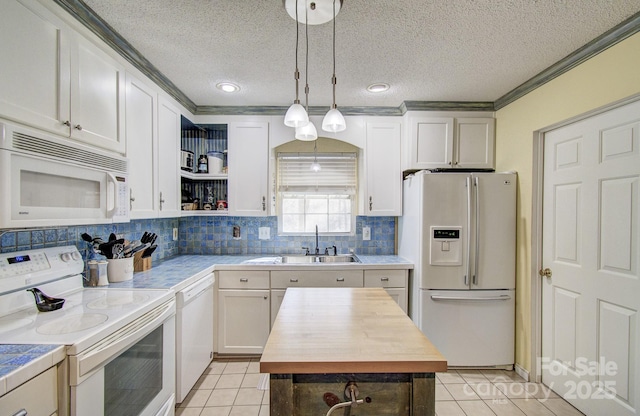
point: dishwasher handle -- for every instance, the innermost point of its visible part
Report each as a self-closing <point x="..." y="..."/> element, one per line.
<point x="188" y="294"/>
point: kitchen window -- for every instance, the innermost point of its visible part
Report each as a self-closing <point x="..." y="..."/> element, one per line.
<point x="325" y="197"/>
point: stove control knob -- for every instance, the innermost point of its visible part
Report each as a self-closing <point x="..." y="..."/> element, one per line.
<point x="75" y="255"/>
<point x="65" y="257"/>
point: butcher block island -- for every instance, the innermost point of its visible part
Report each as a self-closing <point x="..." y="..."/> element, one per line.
<point x="332" y="348"/>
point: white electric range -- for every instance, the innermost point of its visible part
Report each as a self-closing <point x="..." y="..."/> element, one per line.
<point x="109" y="334"/>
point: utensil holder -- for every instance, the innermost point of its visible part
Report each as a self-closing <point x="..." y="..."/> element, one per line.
<point x="141" y="264"/>
<point x="120" y="270"/>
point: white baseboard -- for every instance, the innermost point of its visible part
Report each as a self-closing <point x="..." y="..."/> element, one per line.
<point x="521" y="372"/>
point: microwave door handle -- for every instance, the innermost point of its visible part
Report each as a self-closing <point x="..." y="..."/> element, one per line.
<point x="112" y="196"/>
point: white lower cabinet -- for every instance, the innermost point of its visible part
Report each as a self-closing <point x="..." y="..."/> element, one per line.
<point x="243" y="311"/>
<point x="249" y="301"/>
<point x="38" y="396"/>
<point x="393" y="281"/>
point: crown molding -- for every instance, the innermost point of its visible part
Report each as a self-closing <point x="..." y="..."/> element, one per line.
<point x="617" y="34"/>
<point x="85" y="15"/>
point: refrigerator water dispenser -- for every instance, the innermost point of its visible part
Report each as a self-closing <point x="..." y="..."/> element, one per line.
<point x="446" y="246"/>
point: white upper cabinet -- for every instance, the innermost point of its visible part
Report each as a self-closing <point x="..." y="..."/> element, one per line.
<point x="142" y="149"/>
<point x="449" y="142"/>
<point x="168" y="196"/>
<point x="474" y="144"/>
<point x="383" y="195"/>
<point x="248" y="160"/>
<point x="56" y="80"/>
<point x="96" y="108"/>
<point x="34" y="46"/>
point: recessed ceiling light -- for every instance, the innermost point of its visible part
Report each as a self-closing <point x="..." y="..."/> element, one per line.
<point x="378" y="87"/>
<point x="227" y="87"/>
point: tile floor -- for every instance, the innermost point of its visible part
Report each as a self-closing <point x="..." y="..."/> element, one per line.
<point x="229" y="388"/>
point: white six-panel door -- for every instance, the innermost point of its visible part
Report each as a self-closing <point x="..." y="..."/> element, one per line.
<point x="591" y="247"/>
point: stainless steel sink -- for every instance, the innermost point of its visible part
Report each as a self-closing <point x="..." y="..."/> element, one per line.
<point x="297" y="259"/>
<point x="347" y="258"/>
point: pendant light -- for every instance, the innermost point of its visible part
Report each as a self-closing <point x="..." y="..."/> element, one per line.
<point x="315" y="166"/>
<point x="296" y="115"/>
<point x="334" y="120"/>
<point x="307" y="132"/>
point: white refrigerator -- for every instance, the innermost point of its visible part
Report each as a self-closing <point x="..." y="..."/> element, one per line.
<point x="459" y="230"/>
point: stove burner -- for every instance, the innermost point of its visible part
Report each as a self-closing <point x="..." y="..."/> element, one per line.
<point x="71" y="323"/>
<point x="9" y="324"/>
<point x="117" y="300"/>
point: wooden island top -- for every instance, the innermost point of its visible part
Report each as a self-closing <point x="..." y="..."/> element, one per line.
<point x="346" y="330"/>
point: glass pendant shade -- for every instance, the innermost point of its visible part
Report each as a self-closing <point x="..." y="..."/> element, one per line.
<point x="334" y="121"/>
<point x="296" y="116"/>
<point x="307" y="133"/>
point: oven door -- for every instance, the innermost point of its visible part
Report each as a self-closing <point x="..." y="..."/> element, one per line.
<point x="131" y="372"/>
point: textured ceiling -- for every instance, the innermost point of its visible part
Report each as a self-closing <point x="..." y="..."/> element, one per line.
<point x="438" y="50"/>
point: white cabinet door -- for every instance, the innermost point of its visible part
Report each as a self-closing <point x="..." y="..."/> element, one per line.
<point x="142" y="149"/>
<point x="34" y="46"/>
<point x="277" y="296"/>
<point x="431" y="142"/>
<point x="383" y="195"/>
<point x="248" y="157"/>
<point x="168" y="196"/>
<point x="38" y="396"/>
<point x="58" y="81"/>
<point x="475" y="140"/>
<point x="395" y="283"/>
<point x="243" y="321"/>
<point x="448" y="142"/>
<point x="97" y="98"/>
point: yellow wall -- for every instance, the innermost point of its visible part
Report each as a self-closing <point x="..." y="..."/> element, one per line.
<point x="609" y="76"/>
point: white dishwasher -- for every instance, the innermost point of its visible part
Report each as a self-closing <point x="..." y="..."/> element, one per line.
<point x="194" y="334"/>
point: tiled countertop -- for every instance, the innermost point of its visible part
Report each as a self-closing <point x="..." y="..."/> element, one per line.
<point x="19" y="363"/>
<point x="178" y="272"/>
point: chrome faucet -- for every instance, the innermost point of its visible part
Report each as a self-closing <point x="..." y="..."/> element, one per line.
<point x="317" y="248"/>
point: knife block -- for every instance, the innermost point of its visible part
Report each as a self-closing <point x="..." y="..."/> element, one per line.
<point x="141" y="264"/>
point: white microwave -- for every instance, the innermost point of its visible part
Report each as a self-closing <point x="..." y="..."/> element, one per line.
<point x="48" y="181"/>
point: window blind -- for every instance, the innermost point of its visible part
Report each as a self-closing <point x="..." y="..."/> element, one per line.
<point x="338" y="174"/>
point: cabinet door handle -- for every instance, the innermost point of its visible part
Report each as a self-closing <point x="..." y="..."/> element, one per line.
<point x="370" y="203"/>
<point x="294" y="280"/>
<point x="384" y="279"/>
<point x="78" y="127"/>
<point x="244" y="279"/>
<point x="264" y="203"/>
<point x="131" y="199"/>
<point x="161" y="201"/>
<point x="266" y="297"/>
<point x="340" y="279"/>
<point x="66" y="123"/>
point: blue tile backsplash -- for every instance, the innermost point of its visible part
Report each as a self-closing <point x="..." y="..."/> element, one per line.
<point x="214" y="235"/>
<point x="206" y="235"/>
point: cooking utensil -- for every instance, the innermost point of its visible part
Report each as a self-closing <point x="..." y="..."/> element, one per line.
<point x="137" y="249"/>
<point x="148" y="252"/>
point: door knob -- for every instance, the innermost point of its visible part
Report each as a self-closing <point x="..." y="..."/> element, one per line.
<point x="545" y="272"/>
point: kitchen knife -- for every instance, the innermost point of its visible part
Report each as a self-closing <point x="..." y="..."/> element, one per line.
<point x="149" y="251"/>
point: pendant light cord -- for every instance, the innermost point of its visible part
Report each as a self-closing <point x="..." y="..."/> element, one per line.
<point x="297" y="73"/>
<point x="333" y="78"/>
<point x="306" y="68"/>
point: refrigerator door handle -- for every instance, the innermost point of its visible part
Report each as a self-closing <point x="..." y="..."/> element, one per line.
<point x="477" y="229"/>
<point x="468" y="274"/>
<point x="479" y="299"/>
